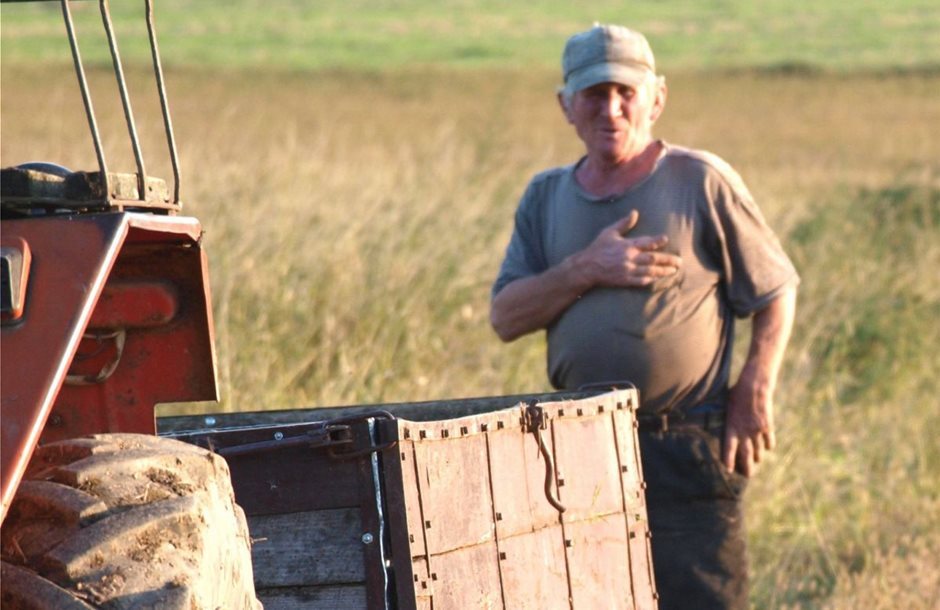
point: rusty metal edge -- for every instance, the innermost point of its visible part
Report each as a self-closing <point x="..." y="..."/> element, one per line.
<point x="430" y="410"/>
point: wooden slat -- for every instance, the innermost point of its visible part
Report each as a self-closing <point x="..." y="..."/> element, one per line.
<point x="337" y="597"/>
<point x="628" y="453"/>
<point x="411" y="500"/>
<point x="453" y="479"/>
<point x="587" y="464"/>
<point x="311" y="548"/>
<point x="292" y="480"/>
<point x="517" y="472"/>
<point x="598" y="564"/>
<point x="467" y="578"/>
<point x="534" y="572"/>
<point x="641" y="562"/>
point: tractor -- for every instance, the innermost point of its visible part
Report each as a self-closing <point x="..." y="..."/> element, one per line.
<point x="105" y="313"/>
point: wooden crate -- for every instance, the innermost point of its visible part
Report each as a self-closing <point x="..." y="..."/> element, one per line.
<point x="514" y="502"/>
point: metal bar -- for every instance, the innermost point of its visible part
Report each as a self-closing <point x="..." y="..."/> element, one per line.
<point x="318" y="437"/>
<point x="86" y="97"/>
<point x="393" y="476"/>
<point x="125" y="99"/>
<point x="375" y="515"/>
<point x="161" y="88"/>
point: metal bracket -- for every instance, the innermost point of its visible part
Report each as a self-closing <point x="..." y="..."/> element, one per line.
<point x="119" y="336"/>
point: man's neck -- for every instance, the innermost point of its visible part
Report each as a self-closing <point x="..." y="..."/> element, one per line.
<point x="604" y="178"/>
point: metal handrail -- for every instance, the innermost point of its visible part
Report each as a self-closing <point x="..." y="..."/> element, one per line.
<point x="164" y="105"/>
<point x="86" y="96"/>
<point x="125" y="99"/>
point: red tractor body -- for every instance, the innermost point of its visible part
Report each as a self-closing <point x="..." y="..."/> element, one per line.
<point x="113" y="317"/>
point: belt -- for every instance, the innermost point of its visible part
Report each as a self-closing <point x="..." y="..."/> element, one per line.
<point x="708" y="416"/>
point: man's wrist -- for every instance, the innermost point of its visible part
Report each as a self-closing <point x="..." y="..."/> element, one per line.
<point x="576" y="273"/>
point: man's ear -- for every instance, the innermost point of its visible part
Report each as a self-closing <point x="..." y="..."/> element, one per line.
<point x="659" y="103"/>
<point x="564" y="106"/>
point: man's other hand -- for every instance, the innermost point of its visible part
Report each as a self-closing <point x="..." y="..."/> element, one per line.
<point x="749" y="427"/>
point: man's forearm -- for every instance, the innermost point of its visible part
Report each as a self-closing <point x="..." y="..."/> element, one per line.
<point x="532" y="303"/>
<point x="770" y="333"/>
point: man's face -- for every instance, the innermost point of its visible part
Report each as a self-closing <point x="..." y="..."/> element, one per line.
<point x="615" y="121"/>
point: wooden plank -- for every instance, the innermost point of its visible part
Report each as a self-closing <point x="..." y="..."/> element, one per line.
<point x="309" y="548"/>
<point x="292" y="480"/>
<point x="422" y="586"/>
<point x="587" y="464"/>
<point x="467" y="578"/>
<point x="638" y="544"/>
<point x="453" y="480"/>
<point x="533" y="570"/>
<point x="598" y="564"/>
<point x="336" y="597"/>
<point x="641" y="562"/>
<point x="517" y="472"/>
<point x="411" y="499"/>
<point x="628" y="455"/>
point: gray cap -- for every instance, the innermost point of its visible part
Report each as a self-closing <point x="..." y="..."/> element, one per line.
<point x="606" y="53"/>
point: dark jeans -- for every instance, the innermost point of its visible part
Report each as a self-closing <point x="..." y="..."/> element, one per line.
<point x="696" y="520"/>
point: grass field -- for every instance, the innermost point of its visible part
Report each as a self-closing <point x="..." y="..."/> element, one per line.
<point x="300" y="35"/>
<point x="355" y="217"/>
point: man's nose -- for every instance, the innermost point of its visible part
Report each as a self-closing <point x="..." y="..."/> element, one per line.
<point x="613" y="105"/>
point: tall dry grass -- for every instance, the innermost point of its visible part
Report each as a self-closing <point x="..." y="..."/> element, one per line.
<point x="355" y="222"/>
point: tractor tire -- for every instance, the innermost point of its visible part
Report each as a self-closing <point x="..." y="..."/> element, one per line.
<point x="126" y="521"/>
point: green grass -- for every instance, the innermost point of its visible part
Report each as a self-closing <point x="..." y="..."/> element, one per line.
<point x="356" y="34"/>
<point x="858" y="487"/>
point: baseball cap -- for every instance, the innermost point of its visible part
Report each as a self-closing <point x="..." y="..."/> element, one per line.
<point x="606" y="53"/>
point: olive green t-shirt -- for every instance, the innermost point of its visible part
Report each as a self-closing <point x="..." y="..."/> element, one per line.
<point x="672" y="340"/>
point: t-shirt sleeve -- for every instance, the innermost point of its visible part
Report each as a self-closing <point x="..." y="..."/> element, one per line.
<point x="756" y="269"/>
<point x="525" y="255"/>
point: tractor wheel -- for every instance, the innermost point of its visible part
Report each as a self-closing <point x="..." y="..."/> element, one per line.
<point x="126" y="521"/>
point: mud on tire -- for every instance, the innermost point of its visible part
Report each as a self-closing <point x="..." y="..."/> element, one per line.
<point x="126" y="521"/>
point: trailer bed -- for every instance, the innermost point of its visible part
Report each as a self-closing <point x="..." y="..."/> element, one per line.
<point x="511" y="502"/>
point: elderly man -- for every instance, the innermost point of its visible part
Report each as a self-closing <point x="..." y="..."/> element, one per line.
<point x="636" y="259"/>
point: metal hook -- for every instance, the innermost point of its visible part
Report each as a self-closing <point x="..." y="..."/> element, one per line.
<point x="535" y="422"/>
